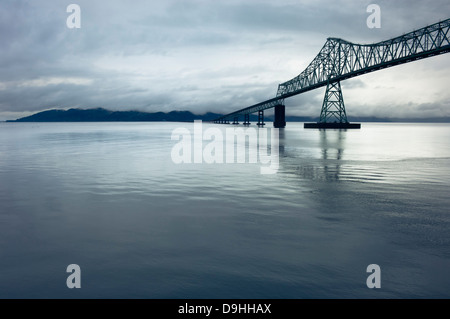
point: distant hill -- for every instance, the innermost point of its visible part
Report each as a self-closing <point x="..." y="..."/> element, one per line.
<point x="103" y="115"/>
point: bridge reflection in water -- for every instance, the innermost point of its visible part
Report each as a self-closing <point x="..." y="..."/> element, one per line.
<point x="322" y="163"/>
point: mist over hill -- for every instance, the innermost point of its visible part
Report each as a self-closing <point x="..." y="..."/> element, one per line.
<point x="103" y="115"/>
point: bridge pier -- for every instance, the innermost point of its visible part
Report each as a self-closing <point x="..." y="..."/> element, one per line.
<point x="280" y="116"/>
<point x="236" y="120"/>
<point x="246" y="119"/>
<point x="333" y="113"/>
<point x="260" y="118"/>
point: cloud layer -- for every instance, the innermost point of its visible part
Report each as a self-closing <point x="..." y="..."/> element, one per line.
<point x="202" y="56"/>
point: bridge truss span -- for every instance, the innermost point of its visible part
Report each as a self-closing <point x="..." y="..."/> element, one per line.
<point x="340" y="59"/>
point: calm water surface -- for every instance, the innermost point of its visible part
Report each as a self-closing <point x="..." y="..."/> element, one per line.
<point x="108" y="197"/>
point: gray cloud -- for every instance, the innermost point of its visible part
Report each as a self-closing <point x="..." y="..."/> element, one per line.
<point x="196" y="55"/>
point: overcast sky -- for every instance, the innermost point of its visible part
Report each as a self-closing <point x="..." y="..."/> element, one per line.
<point x="208" y="55"/>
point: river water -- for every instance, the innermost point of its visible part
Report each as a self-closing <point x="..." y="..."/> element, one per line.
<point x="110" y="198"/>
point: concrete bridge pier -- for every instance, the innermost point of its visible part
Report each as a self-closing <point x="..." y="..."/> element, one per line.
<point x="246" y="119"/>
<point x="260" y="118"/>
<point x="280" y="117"/>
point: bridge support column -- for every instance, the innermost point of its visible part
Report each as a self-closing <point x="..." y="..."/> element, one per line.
<point x="247" y="119"/>
<point x="280" y="117"/>
<point x="236" y="120"/>
<point x="260" y="118"/>
<point x="333" y="108"/>
<point x="333" y="113"/>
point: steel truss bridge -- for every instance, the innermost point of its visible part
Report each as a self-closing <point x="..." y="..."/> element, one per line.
<point x="340" y="60"/>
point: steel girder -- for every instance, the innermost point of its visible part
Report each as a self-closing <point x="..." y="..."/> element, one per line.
<point x="333" y="108"/>
<point x="339" y="60"/>
<point x="254" y="108"/>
